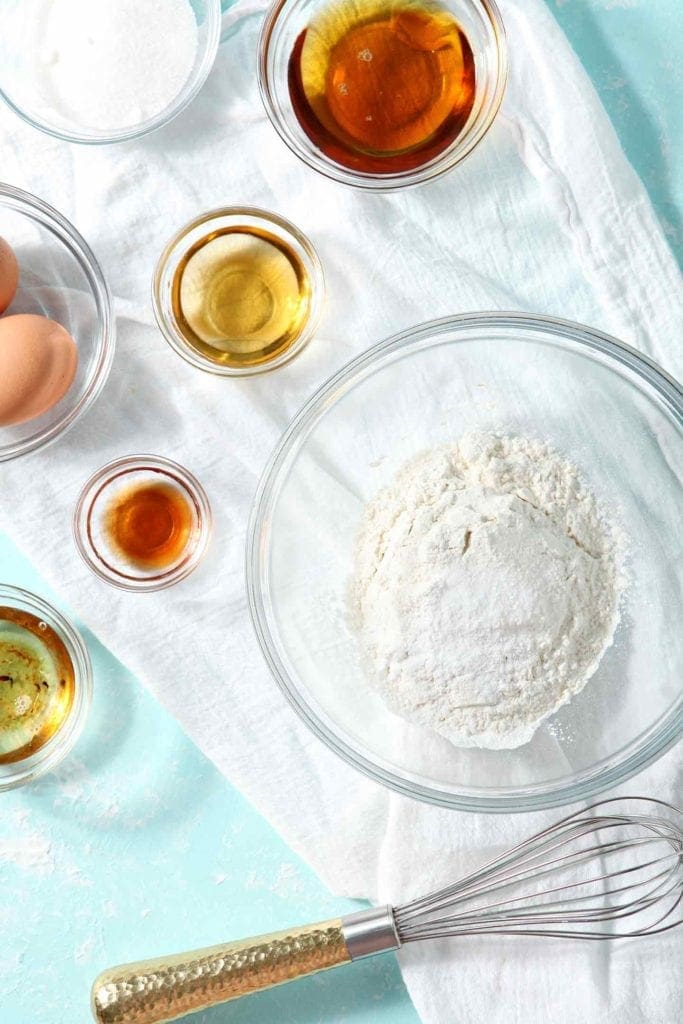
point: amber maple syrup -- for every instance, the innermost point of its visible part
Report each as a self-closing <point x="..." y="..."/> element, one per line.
<point x="37" y="684"/>
<point x="382" y="85"/>
<point x="149" y="524"/>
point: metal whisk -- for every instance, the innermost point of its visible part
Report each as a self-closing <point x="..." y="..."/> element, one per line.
<point x="572" y="880"/>
<point x="600" y="873"/>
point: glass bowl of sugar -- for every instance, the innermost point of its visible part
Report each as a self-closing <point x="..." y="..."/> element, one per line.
<point x="464" y="562"/>
<point x="105" y="72"/>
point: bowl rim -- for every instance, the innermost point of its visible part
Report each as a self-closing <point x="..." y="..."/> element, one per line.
<point x="609" y="772"/>
<point x="63" y="741"/>
<point x="278" y="225"/>
<point x="182" y="100"/>
<point x="48" y="217"/>
<point x="461" y="147"/>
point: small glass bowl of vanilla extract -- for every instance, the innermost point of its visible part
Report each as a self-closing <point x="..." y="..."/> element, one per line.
<point x="382" y="94"/>
<point x="238" y="291"/>
<point x="45" y="686"/>
<point x="142" y="523"/>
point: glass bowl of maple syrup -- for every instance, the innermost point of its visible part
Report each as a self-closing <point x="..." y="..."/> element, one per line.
<point x="142" y="523"/>
<point x="238" y="291"/>
<point x="45" y="686"/>
<point x="382" y="94"/>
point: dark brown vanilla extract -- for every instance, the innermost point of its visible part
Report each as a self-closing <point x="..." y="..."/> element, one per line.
<point x="149" y="524"/>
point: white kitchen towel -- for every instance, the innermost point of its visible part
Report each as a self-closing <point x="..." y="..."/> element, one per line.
<point x="545" y="216"/>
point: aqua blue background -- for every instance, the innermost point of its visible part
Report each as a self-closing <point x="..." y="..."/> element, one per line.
<point x="136" y="845"/>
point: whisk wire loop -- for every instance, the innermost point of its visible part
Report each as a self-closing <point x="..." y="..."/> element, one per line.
<point x="550" y="880"/>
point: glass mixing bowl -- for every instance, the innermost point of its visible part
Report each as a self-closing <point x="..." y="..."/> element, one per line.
<point x="286" y="20"/>
<point x="60" y="278"/>
<point x="610" y="410"/>
<point x="23" y="95"/>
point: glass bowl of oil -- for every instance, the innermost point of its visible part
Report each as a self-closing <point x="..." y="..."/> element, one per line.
<point x="142" y="523"/>
<point x="45" y="686"/>
<point x="238" y="291"/>
<point x="382" y="94"/>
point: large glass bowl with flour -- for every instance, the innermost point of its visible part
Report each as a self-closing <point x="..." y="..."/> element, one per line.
<point x="600" y="404"/>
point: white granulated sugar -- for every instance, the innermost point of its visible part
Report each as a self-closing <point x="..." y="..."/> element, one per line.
<point x="111" y="64"/>
<point x="486" y="588"/>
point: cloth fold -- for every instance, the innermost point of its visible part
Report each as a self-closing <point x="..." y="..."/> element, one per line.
<point x="545" y="216"/>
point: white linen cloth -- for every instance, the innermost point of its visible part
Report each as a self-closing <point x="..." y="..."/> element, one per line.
<point x="545" y="216"/>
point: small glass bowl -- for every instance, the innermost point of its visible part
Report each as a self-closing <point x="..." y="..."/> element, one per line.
<point x="94" y="500"/>
<point x="22" y="95"/>
<point x="612" y="411"/>
<point x="60" y="278"/>
<point x="215" y="221"/>
<point x="286" y="20"/>
<point x="58" y="746"/>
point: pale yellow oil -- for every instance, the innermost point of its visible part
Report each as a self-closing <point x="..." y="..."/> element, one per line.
<point x="36" y="684"/>
<point x="241" y="297"/>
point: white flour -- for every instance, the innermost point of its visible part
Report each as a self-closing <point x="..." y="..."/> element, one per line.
<point x="110" y="64"/>
<point x="486" y="588"/>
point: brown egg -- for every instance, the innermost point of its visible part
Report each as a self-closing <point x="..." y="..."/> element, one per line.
<point x="9" y="275"/>
<point x="38" y="360"/>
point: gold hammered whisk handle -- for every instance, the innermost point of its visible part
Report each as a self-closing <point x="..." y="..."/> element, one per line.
<point x="160" y="990"/>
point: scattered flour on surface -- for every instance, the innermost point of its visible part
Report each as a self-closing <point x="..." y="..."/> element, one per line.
<point x="27" y="849"/>
<point x="486" y="588"/>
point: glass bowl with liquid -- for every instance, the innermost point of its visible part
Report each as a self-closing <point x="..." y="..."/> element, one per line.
<point x="382" y="94"/>
<point x="142" y="523"/>
<point x="45" y="686"/>
<point x="59" y="278"/>
<point x="612" y="412"/>
<point x="238" y="291"/>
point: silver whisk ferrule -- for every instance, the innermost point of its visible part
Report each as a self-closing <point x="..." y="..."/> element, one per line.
<point x="370" y="931"/>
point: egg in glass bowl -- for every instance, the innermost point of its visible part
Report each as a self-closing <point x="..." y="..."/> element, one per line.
<point x="58" y="321"/>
